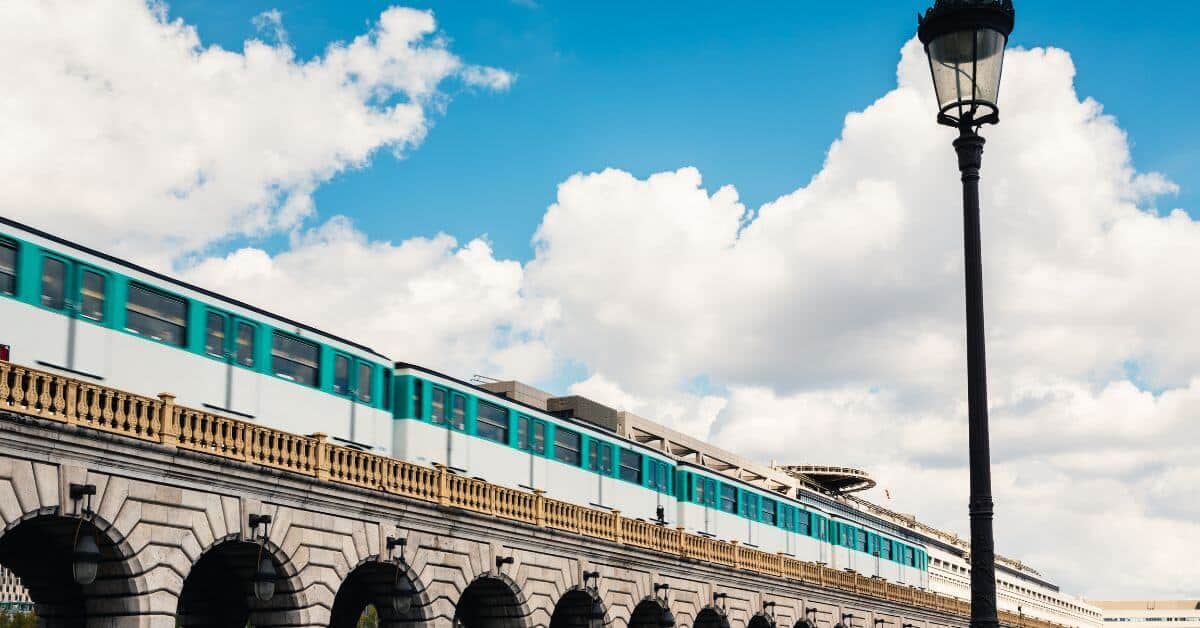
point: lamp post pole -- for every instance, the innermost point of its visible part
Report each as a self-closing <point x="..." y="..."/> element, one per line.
<point x="969" y="146"/>
<point x="965" y="41"/>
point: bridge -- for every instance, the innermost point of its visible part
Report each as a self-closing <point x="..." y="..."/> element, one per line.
<point x="124" y="510"/>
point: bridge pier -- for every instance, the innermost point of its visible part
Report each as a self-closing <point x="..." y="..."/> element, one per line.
<point x="176" y="543"/>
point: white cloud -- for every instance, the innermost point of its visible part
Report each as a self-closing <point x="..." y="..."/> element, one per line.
<point x="825" y="326"/>
<point x="124" y="128"/>
<point x="830" y="321"/>
<point x="424" y="300"/>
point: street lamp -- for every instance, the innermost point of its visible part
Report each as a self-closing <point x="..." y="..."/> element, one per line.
<point x="965" y="42"/>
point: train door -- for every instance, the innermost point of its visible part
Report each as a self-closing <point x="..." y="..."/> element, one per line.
<point x="80" y="293"/>
<point x="232" y="340"/>
<point x="458" y="443"/>
<point x="243" y="379"/>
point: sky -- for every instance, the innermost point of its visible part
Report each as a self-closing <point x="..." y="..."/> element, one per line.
<point x="741" y="222"/>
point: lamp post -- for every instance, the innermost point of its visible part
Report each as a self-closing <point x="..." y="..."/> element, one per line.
<point x="965" y="42"/>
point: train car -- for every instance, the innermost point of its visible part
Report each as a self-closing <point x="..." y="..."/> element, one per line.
<point x="444" y="421"/>
<point x="72" y="309"/>
<point x="715" y="505"/>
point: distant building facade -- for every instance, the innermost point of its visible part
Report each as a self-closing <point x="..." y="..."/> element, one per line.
<point x="1177" y="613"/>
<point x="13" y="596"/>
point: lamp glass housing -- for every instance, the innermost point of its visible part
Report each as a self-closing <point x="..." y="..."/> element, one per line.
<point x="264" y="580"/>
<point x="666" y="619"/>
<point x="966" y="68"/>
<point x="402" y="597"/>
<point x="964" y="41"/>
<point x="86" y="560"/>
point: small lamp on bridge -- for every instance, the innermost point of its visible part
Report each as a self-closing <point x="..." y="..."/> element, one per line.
<point x="86" y="559"/>
<point x="85" y="555"/>
<point x="265" y="576"/>
<point x="666" y="619"/>
<point x="402" y="590"/>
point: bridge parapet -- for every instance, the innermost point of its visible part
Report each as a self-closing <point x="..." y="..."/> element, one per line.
<point x="60" y="399"/>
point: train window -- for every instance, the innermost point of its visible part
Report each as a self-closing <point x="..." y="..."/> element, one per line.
<point x="54" y="287"/>
<point x="802" y="522"/>
<point x="418" y="387"/>
<point x="631" y="466"/>
<point x="593" y="456"/>
<point x="606" y="459"/>
<point x="157" y="315"/>
<point x="659" y="478"/>
<point x="387" y="389"/>
<point x="885" y="549"/>
<point x="438" y="406"/>
<point x="8" y="267"/>
<point x="749" y="505"/>
<point x="566" y="446"/>
<point x="295" y="359"/>
<point x="244" y="344"/>
<point x="768" y="511"/>
<point x="538" y="441"/>
<point x="214" y="335"/>
<point x="92" y="297"/>
<point x="341" y="375"/>
<point x="908" y="557"/>
<point x="860" y="541"/>
<point x="492" y="422"/>
<point x="458" y="411"/>
<point x="700" y="493"/>
<point x="728" y="498"/>
<point x="522" y="432"/>
<point x="365" y="372"/>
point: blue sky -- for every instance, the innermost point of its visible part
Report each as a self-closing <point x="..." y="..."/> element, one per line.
<point x="752" y="97"/>
<point x="834" y="318"/>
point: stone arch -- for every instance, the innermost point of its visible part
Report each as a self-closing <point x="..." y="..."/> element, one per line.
<point x="491" y="601"/>
<point x="711" y="617"/>
<point x="650" y="613"/>
<point x="38" y="548"/>
<point x="579" y="608"/>
<point x="218" y="589"/>
<point x="374" y="582"/>
<point x="761" y="620"/>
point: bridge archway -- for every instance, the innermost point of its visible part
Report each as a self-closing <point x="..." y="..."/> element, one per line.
<point x="38" y="548"/>
<point x="578" y="608"/>
<point x="649" y="613"/>
<point x="761" y="620"/>
<point x="803" y="623"/>
<point x="375" y="583"/>
<point x="711" y="617"/>
<point x="491" y="601"/>
<point x="219" y="588"/>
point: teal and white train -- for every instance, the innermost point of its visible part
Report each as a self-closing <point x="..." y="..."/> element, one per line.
<point x="68" y="308"/>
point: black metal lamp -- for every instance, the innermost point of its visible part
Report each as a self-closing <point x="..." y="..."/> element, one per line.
<point x="85" y="559"/>
<point x="666" y="619"/>
<point x="85" y="555"/>
<point x="597" y="609"/>
<point x="402" y="590"/>
<point x="965" y="42"/>
<point x="265" y="576"/>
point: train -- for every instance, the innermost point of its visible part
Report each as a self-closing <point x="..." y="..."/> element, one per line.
<point x="68" y="308"/>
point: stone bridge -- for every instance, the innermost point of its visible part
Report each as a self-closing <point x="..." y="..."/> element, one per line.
<point x="200" y="520"/>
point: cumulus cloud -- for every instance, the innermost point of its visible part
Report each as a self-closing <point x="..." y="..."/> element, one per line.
<point x="828" y="323"/>
<point x="423" y="300"/>
<point x="825" y="326"/>
<point x="126" y="130"/>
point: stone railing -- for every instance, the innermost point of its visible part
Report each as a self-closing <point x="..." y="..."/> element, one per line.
<point x="74" y="402"/>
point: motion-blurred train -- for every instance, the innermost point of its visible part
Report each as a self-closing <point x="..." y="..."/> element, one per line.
<point x="67" y="308"/>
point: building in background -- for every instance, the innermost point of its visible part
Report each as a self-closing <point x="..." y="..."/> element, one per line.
<point x="1179" y="613"/>
<point x="13" y="596"/>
